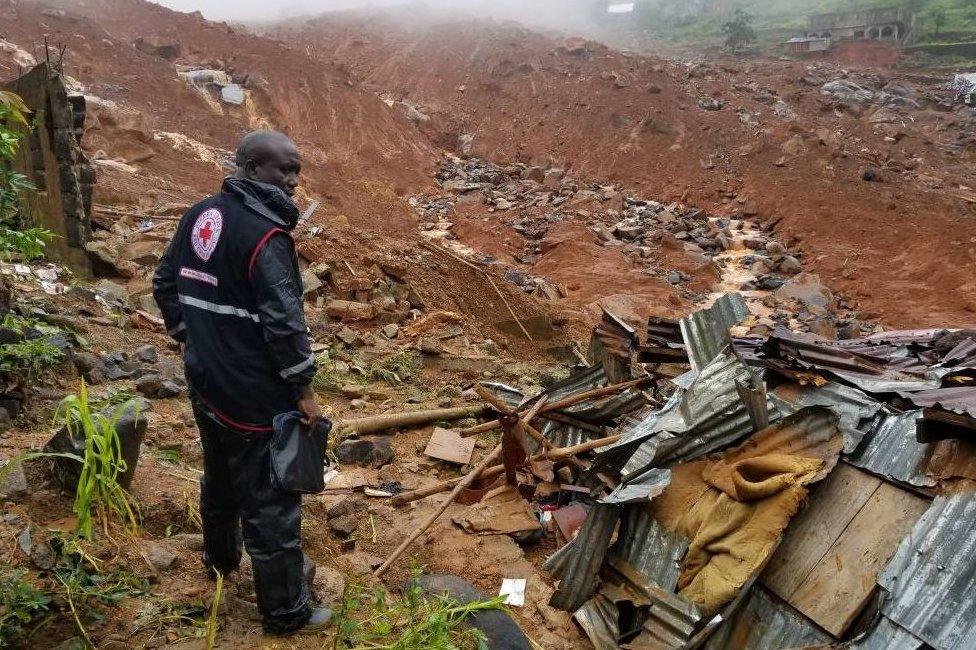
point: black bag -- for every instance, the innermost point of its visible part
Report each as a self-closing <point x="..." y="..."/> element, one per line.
<point x="298" y="453"/>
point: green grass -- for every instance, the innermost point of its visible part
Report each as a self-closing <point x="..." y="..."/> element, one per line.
<point x="402" y="368"/>
<point x="98" y="487"/>
<point x="368" y="618"/>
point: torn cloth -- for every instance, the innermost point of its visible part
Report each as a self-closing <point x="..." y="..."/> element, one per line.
<point x="736" y="507"/>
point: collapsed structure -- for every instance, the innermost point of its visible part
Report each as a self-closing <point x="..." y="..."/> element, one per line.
<point x="697" y="533"/>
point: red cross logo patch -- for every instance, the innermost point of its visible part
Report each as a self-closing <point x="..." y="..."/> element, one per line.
<point x="206" y="233"/>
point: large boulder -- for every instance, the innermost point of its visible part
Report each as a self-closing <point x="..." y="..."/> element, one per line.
<point x="500" y="629"/>
<point x="131" y="428"/>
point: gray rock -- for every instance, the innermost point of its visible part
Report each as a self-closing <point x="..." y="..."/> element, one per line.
<point x="149" y="385"/>
<point x="348" y="336"/>
<point x="344" y="526"/>
<point x="43" y="556"/>
<point x="373" y="451"/>
<point x="391" y="331"/>
<point x="86" y="362"/>
<point x="775" y="249"/>
<point x="14" y="484"/>
<point x="161" y="557"/>
<point x="131" y="429"/>
<point x="847" y="91"/>
<point x="146" y="354"/>
<point x="790" y="265"/>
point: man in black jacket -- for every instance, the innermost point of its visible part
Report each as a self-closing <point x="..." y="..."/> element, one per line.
<point x="230" y="291"/>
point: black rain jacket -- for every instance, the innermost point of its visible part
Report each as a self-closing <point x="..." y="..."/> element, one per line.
<point x="230" y="289"/>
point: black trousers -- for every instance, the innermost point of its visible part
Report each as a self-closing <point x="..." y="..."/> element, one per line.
<point x="240" y="503"/>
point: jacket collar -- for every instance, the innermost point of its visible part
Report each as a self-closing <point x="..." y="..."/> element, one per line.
<point x="269" y="201"/>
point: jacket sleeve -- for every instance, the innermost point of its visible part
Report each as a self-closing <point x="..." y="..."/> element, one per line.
<point x="165" y="293"/>
<point x="278" y="296"/>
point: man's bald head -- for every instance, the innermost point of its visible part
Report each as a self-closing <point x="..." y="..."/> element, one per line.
<point x="269" y="157"/>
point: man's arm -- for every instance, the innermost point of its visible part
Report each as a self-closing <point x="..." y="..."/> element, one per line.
<point x="278" y="296"/>
<point x="165" y="293"/>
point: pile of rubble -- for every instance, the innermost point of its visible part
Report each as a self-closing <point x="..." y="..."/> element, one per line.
<point x="677" y="495"/>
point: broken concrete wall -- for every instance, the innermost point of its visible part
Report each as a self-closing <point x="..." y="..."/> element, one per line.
<point x="51" y="157"/>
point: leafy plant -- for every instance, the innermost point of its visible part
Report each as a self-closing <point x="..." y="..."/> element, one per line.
<point x="367" y="618"/>
<point x="20" y="604"/>
<point x="86" y="588"/>
<point x="98" y="487"/>
<point x="31" y="354"/>
<point x="29" y="243"/>
<point x="13" y="123"/>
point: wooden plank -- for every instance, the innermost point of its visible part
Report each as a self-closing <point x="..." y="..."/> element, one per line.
<point x="813" y="531"/>
<point x="842" y="582"/>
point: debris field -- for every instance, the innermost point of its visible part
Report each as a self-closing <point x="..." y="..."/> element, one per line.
<point x="667" y="353"/>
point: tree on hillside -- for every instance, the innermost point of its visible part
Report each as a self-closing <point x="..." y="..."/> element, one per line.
<point x="739" y="31"/>
<point x="939" y="19"/>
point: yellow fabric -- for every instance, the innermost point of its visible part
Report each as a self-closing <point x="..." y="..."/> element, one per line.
<point x="738" y="522"/>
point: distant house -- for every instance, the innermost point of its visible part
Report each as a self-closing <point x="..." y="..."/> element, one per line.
<point x="807" y="44"/>
<point x="893" y="25"/>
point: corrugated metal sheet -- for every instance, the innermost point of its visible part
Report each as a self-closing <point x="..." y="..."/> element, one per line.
<point x="599" y="619"/>
<point x="705" y="417"/>
<point x="887" y="636"/>
<point x="932" y="576"/>
<point x="706" y="332"/>
<point x="649" y="486"/>
<point x="890" y="449"/>
<point x="765" y="623"/>
<point x="645" y="545"/>
<point x="577" y="564"/>
<point x="961" y="400"/>
<point x="854" y="407"/>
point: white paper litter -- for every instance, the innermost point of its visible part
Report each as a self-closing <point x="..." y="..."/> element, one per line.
<point x="514" y="589"/>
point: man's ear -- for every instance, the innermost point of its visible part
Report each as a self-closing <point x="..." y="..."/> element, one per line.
<point x="250" y="169"/>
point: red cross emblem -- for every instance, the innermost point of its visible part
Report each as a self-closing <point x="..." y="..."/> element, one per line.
<point x="206" y="233"/>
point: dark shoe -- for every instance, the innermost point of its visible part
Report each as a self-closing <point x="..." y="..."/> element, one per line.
<point x="319" y="621"/>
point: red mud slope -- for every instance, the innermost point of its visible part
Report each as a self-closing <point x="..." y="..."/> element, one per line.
<point x="903" y="249"/>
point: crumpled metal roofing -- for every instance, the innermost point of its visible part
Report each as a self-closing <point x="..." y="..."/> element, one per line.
<point x="887" y="636"/>
<point x="708" y="415"/>
<point x="706" y="332"/>
<point x="647" y="546"/>
<point x="763" y="623"/>
<point x="577" y="564"/>
<point x="854" y="407"/>
<point x="649" y="486"/>
<point x="890" y="449"/>
<point x="932" y="577"/>
<point x="960" y="399"/>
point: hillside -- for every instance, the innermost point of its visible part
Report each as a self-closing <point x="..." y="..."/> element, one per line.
<point x="701" y="22"/>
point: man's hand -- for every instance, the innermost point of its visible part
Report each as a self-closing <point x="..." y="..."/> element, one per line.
<point x="308" y="405"/>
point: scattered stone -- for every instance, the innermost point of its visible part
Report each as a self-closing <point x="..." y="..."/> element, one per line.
<point x="14" y="484"/>
<point x="329" y="584"/>
<point x="43" y="556"/>
<point x="790" y="265"/>
<point x="353" y="391"/>
<point x="146" y="354"/>
<point x="348" y="336"/>
<point x="149" y="385"/>
<point x="131" y="429"/>
<point x="344" y="526"/>
<point x="350" y="311"/>
<point x="391" y="331"/>
<point x="161" y="557"/>
<point x="372" y="451"/>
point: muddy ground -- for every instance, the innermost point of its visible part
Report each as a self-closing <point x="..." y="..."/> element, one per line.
<point x="475" y="179"/>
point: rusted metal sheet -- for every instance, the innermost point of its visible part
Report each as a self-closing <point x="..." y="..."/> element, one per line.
<point x="932" y="577"/>
<point x="961" y="400"/>
<point x="645" y="545"/>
